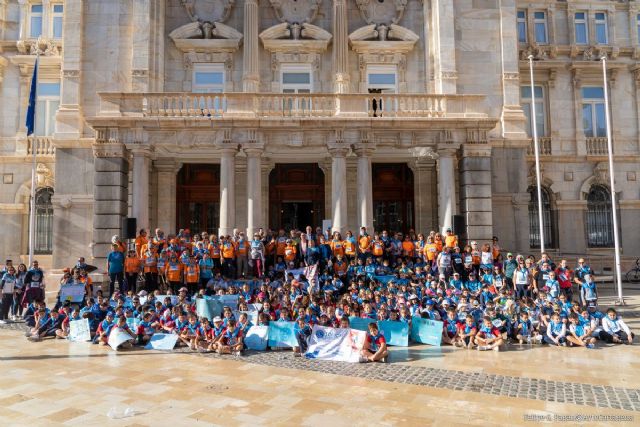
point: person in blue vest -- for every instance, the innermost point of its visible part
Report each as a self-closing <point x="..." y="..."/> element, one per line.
<point x="49" y="326"/>
<point x="556" y="331"/>
<point x="375" y="346"/>
<point x="579" y="333"/>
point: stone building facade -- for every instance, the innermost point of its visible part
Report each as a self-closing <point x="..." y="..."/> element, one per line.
<point x="399" y="114"/>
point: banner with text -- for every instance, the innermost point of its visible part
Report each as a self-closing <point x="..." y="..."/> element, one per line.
<point x="343" y="345"/>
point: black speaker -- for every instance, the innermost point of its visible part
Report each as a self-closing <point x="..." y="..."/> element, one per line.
<point x="458" y="224"/>
<point x="129" y="228"/>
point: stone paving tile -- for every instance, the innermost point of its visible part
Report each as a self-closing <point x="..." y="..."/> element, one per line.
<point x="478" y="382"/>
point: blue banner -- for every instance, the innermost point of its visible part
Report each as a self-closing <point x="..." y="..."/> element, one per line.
<point x="208" y="307"/>
<point x="162" y="342"/>
<point x="281" y="334"/>
<point x="359" y="323"/>
<point x="395" y="332"/>
<point x="426" y="331"/>
<point x="257" y="338"/>
<point x="384" y="279"/>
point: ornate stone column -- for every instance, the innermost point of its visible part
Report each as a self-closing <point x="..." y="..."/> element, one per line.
<point x="442" y="23"/>
<point x="254" y="188"/>
<point x="340" y="47"/>
<point x="110" y="191"/>
<point x="140" y="197"/>
<point x="251" y="73"/>
<point x="167" y="169"/>
<point x="365" y="186"/>
<point x="476" y="195"/>
<point x="227" y="188"/>
<point x="446" y="187"/>
<point x="339" y="186"/>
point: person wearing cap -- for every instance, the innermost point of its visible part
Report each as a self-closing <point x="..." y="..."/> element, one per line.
<point x="375" y="346"/>
<point x="218" y="330"/>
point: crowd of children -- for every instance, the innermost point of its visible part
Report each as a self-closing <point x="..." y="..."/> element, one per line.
<point x="483" y="300"/>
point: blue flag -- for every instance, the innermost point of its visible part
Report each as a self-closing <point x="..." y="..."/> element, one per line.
<point x="31" y="111"/>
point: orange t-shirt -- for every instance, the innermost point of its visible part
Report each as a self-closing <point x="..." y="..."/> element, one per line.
<point x="228" y="250"/>
<point x="408" y="247"/>
<point x="174" y="271"/>
<point x="192" y="273"/>
<point x="430" y="251"/>
<point x="349" y="248"/>
<point x="150" y="263"/>
<point x="337" y="247"/>
<point x="378" y="247"/>
<point x="214" y="250"/>
<point x="340" y="268"/>
<point x="451" y="241"/>
<point x="496" y="252"/>
<point x="131" y="265"/>
<point x="290" y="252"/>
<point x="281" y="243"/>
<point x="364" y="243"/>
<point x="141" y="242"/>
<point x="475" y="256"/>
<point x="241" y="248"/>
<point x="439" y="244"/>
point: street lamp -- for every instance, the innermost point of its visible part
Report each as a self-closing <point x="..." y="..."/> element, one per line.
<point x="614" y="208"/>
<point x="534" y="130"/>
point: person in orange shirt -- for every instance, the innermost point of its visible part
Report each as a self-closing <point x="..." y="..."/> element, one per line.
<point x="340" y="266"/>
<point x="438" y="241"/>
<point x="349" y="246"/>
<point x="450" y="240"/>
<point x="132" y="267"/>
<point x="173" y="271"/>
<point x="408" y="247"/>
<point x="495" y="249"/>
<point x="377" y="247"/>
<point x="141" y="242"/>
<point x="228" y="250"/>
<point x="475" y="256"/>
<point x="281" y="243"/>
<point x="214" y="251"/>
<point x="192" y="275"/>
<point x="337" y="245"/>
<point x="364" y="243"/>
<point x="430" y="251"/>
<point x="290" y="251"/>
<point x="149" y="260"/>
<point x="242" y="260"/>
<point x="159" y="240"/>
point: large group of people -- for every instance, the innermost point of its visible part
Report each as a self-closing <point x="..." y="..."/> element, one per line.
<point x="483" y="297"/>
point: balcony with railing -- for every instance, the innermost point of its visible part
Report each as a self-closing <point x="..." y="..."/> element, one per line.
<point x="43" y="146"/>
<point x="597" y="146"/>
<point x="299" y="106"/>
<point x="544" y="147"/>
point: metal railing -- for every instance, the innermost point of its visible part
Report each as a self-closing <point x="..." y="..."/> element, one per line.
<point x="275" y="105"/>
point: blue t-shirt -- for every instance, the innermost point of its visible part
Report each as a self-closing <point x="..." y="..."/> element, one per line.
<point x="116" y="262"/>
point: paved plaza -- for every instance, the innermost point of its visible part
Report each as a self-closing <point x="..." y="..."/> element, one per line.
<point x="59" y="383"/>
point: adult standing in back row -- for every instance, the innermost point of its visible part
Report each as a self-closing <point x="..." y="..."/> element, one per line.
<point x="115" y="268"/>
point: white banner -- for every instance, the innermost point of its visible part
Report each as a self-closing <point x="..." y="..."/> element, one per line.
<point x="73" y="293"/>
<point x="342" y="345"/>
<point x="118" y="337"/>
<point x="79" y="330"/>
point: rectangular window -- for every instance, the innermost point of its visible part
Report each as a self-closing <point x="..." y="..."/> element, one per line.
<point x="381" y="79"/>
<point x="601" y="28"/>
<point x="208" y="78"/>
<point x="580" y="26"/>
<point x="540" y="25"/>
<point x="56" y="21"/>
<point x="46" y="108"/>
<point x="593" y="112"/>
<point x="526" y="101"/>
<point x="35" y="21"/>
<point x="296" y="78"/>
<point x="522" y="26"/>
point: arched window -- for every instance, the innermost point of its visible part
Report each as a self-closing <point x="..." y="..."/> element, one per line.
<point x="599" y="217"/>
<point x="548" y="219"/>
<point x="44" y="221"/>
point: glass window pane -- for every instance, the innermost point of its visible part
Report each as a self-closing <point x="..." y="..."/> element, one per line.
<point x="600" y="16"/>
<point x="304" y="91"/>
<point x="36" y="8"/>
<point x="540" y="116"/>
<point x="592" y="93"/>
<point x="525" y="92"/>
<point x="296" y="78"/>
<point x="522" y="32"/>
<point x="579" y="15"/>
<point x="538" y="15"/>
<point x="41" y="118"/>
<point x="36" y="26"/>
<point x="58" y="8"/>
<point x="208" y="78"/>
<point x="601" y="33"/>
<point x="587" y="120"/>
<point x="48" y="89"/>
<point x="522" y="15"/>
<point x="57" y="27"/>
<point x="601" y="122"/>
<point x="541" y="33"/>
<point x="382" y="79"/>
<point x="51" y="122"/>
<point x="581" y="33"/>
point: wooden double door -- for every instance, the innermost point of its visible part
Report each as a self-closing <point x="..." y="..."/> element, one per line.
<point x="198" y="198"/>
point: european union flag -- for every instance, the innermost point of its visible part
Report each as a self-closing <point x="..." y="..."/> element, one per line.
<point x="31" y="111"/>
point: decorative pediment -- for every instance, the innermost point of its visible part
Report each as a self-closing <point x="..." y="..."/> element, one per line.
<point x="206" y="37"/>
<point x="379" y="12"/>
<point x="287" y="37"/>
<point x="296" y="11"/>
<point x="395" y="39"/>
<point x="208" y="10"/>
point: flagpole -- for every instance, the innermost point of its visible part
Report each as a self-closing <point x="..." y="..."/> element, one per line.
<point x="614" y="208"/>
<point x="534" y="130"/>
<point x="32" y="210"/>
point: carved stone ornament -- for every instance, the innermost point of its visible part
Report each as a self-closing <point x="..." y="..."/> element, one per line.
<point x="296" y="11"/>
<point x="208" y="10"/>
<point x="601" y="173"/>
<point x="41" y="46"/>
<point x="44" y="176"/>
<point x="381" y="12"/>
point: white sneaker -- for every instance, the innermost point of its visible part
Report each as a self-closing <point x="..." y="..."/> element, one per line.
<point x="496" y="348"/>
<point x="483" y="347"/>
<point x="3" y="322"/>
